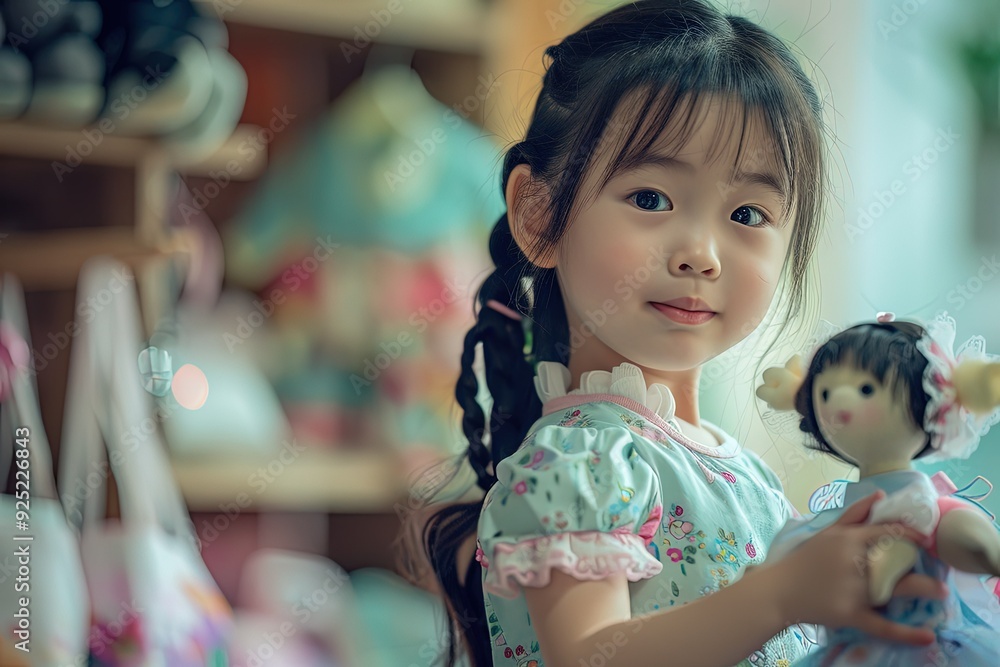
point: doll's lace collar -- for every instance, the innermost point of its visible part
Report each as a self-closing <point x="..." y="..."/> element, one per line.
<point x="626" y="381"/>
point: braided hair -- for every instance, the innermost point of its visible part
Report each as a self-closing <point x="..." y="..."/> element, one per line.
<point x="666" y="52"/>
<point x="531" y="293"/>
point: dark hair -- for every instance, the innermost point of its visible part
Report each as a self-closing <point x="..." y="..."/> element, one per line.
<point x="670" y="54"/>
<point x="887" y="350"/>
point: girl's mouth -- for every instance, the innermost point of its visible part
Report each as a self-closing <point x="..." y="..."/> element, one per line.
<point x="682" y="316"/>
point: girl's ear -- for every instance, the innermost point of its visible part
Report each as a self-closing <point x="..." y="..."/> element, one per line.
<point x="527" y="214"/>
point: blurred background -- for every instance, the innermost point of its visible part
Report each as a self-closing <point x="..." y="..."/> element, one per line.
<point x="304" y="190"/>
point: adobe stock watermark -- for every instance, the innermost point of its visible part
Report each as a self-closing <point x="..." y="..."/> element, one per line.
<point x="302" y="611"/>
<point x="390" y="350"/>
<point x="292" y="279"/>
<point x="104" y="636"/>
<point x="247" y="151"/>
<point x="120" y="108"/>
<point x="258" y="481"/>
<point x="562" y="13"/>
<point x="30" y="25"/>
<point x="432" y="650"/>
<point x="424" y="147"/>
<point x="894" y="534"/>
<point x="900" y="15"/>
<point x="369" y="32"/>
<point x="964" y="292"/>
<point x="915" y="167"/>
<point x="605" y="651"/>
<point x="135" y="436"/>
<point x="626" y="287"/>
<point x="425" y="487"/>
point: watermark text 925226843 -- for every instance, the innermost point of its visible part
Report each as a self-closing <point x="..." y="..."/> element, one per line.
<point x="22" y="542"/>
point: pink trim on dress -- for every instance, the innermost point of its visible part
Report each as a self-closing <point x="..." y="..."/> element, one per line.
<point x="571" y="400"/>
<point x="585" y="555"/>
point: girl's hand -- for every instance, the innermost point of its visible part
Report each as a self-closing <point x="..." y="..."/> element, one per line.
<point x="825" y="580"/>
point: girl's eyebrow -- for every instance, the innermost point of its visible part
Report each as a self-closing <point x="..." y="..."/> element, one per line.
<point x="767" y="180"/>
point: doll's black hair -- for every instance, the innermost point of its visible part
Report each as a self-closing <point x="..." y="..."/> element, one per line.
<point x="887" y="350"/>
<point x="664" y="57"/>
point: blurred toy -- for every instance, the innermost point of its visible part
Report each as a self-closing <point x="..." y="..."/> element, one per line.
<point x="303" y="608"/>
<point x="365" y="242"/>
<point x="66" y="64"/>
<point x="15" y="78"/>
<point x="879" y="395"/>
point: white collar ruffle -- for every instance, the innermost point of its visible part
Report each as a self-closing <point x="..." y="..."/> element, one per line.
<point x="552" y="381"/>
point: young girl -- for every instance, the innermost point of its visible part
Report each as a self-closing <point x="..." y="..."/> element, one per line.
<point x="672" y="175"/>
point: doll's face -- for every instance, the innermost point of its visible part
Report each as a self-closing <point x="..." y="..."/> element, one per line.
<point x="674" y="229"/>
<point x="863" y="419"/>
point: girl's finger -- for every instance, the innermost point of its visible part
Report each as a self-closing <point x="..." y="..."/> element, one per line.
<point x="876" y="534"/>
<point x="879" y="626"/>
<point x="921" y="586"/>
<point x="858" y="512"/>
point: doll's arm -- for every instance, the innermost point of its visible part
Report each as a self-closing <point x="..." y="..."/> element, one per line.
<point x="887" y="566"/>
<point x="967" y="541"/>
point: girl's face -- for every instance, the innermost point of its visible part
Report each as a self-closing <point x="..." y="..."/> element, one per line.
<point x="685" y="229"/>
<point x="864" y="420"/>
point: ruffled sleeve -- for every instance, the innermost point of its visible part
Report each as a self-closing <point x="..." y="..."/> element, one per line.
<point x="575" y="498"/>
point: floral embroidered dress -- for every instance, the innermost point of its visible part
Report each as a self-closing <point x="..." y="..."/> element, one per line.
<point x="605" y="482"/>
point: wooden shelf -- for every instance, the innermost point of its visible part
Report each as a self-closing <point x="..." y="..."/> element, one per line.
<point x="320" y="480"/>
<point x="26" y="140"/>
<point x="460" y="27"/>
<point x="52" y="260"/>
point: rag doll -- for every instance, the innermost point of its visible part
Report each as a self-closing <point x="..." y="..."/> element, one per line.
<point x="879" y="395"/>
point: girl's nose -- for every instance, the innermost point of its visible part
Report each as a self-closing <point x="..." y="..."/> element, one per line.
<point x="695" y="256"/>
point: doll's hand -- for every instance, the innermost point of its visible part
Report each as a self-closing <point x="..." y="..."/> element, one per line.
<point x="826" y="579"/>
<point x="978" y="385"/>
<point x="781" y="384"/>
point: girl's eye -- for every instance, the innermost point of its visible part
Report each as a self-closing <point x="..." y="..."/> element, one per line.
<point x="649" y="200"/>
<point x="750" y="216"/>
<point x="867" y="390"/>
<point x="825" y="395"/>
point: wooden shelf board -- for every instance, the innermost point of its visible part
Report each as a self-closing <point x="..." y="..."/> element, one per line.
<point x="27" y="140"/>
<point x="52" y="259"/>
<point x="460" y="28"/>
<point x="320" y="480"/>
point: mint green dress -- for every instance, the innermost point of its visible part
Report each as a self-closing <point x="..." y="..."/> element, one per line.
<point x="605" y="482"/>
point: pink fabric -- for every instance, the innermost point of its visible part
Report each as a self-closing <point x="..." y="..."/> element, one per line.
<point x="943" y="484"/>
<point x="648" y="529"/>
<point x="584" y="555"/>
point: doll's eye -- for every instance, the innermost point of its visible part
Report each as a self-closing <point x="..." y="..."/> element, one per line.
<point x="867" y="390"/>
<point x="825" y="394"/>
<point x="649" y="200"/>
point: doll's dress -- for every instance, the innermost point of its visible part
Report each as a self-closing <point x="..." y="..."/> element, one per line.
<point x="967" y="630"/>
